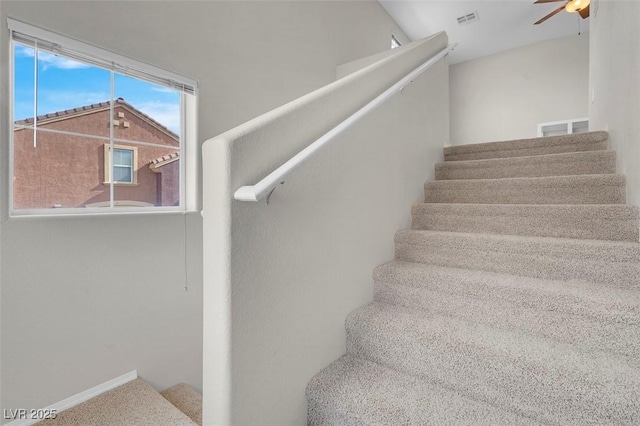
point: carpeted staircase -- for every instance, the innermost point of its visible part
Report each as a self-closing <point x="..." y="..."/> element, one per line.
<point x="135" y="404"/>
<point x="513" y="300"/>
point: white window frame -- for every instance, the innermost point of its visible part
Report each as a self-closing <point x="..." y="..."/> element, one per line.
<point x="130" y="167"/>
<point x="108" y="162"/>
<point x="98" y="57"/>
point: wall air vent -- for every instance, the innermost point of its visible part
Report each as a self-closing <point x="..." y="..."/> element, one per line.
<point x="468" y="18"/>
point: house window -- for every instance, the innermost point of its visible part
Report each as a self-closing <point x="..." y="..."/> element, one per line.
<point x="92" y="130"/>
<point x="394" y="42"/>
<point x="123" y="164"/>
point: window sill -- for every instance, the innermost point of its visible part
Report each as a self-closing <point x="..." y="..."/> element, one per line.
<point x="80" y="212"/>
<point x="121" y="184"/>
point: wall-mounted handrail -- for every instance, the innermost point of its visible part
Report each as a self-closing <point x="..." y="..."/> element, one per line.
<point x="263" y="188"/>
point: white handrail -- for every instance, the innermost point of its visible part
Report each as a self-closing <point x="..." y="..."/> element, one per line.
<point x="263" y="188"/>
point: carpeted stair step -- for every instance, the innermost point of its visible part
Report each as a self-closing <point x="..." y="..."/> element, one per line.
<point x="590" y="141"/>
<point x="552" y="382"/>
<point x="615" y="264"/>
<point x="572" y="163"/>
<point x="134" y="403"/>
<point x="589" y="316"/>
<point x="616" y="222"/>
<point x="584" y="189"/>
<point x="352" y="391"/>
<point x="185" y="399"/>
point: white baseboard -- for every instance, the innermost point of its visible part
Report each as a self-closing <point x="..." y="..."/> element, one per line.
<point x="79" y="398"/>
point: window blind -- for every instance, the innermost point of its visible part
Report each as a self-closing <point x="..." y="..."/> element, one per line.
<point x="56" y="44"/>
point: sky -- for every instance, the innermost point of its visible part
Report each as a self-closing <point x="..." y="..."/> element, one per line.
<point x="66" y="84"/>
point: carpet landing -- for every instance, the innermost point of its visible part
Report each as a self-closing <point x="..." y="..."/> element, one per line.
<point x="513" y="300"/>
<point x="134" y="404"/>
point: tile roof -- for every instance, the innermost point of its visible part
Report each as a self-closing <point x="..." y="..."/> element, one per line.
<point x="154" y="165"/>
<point x="66" y="112"/>
<point x="165" y="158"/>
<point x="99" y="106"/>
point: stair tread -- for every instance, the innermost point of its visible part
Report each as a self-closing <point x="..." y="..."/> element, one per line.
<point x="615" y="222"/>
<point x="561" y="157"/>
<point x="579" y="313"/>
<point x="566" y="163"/>
<point x="134" y="403"/>
<point x="446" y="278"/>
<point x="524" y="147"/>
<point x="354" y="391"/>
<point x="576" y="189"/>
<point x="613" y="264"/>
<point x="185" y="399"/>
<point x="570" y="180"/>
<point x="607" y="211"/>
<point x="599" y="250"/>
<point x="537" y="377"/>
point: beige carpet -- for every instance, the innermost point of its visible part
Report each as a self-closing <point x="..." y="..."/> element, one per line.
<point x="186" y="399"/>
<point x="514" y="299"/>
<point x="569" y="163"/>
<point x="579" y="142"/>
<point x="133" y="404"/>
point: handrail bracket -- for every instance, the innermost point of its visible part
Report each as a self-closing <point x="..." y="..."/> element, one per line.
<point x="271" y="192"/>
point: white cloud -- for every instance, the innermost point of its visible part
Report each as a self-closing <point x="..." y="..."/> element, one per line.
<point x="78" y="98"/>
<point x="59" y="100"/>
<point x="52" y="61"/>
<point x="165" y="113"/>
<point x="24" y="52"/>
<point x="162" y="89"/>
<point x="49" y="60"/>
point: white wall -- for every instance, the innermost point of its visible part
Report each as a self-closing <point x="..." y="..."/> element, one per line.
<point x="67" y="322"/>
<point x="290" y="272"/>
<point x="615" y="81"/>
<point x="505" y="95"/>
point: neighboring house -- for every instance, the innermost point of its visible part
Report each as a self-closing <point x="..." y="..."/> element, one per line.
<point x="73" y="169"/>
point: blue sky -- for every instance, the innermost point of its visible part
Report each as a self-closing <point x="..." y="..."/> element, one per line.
<point x="65" y="84"/>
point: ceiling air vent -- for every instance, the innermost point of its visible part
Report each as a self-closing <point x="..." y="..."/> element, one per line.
<point x="468" y="18"/>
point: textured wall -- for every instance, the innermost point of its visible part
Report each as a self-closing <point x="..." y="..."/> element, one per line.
<point x="614" y="80"/>
<point x="168" y="181"/>
<point x="282" y="277"/>
<point x="69" y="323"/>
<point x="505" y="95"/>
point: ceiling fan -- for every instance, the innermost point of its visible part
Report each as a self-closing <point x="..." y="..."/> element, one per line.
<point x="580" y="6"/>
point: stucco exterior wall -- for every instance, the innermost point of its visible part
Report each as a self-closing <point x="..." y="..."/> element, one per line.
<point x="168" y="189"/>
<point x="69" y="171"/>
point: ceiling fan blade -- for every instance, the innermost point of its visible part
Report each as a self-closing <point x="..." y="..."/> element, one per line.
<point x="584" y="12"/>
<point x="546" y="1"/>
<point x="558" y="10"/>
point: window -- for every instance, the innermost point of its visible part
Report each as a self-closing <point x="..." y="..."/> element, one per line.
<point x="123" y="163"/>
<point x="94" y="132"/>
<point x="394" y="42"/>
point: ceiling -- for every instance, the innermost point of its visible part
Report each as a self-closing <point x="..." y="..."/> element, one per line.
<point x="501" y="25"/>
